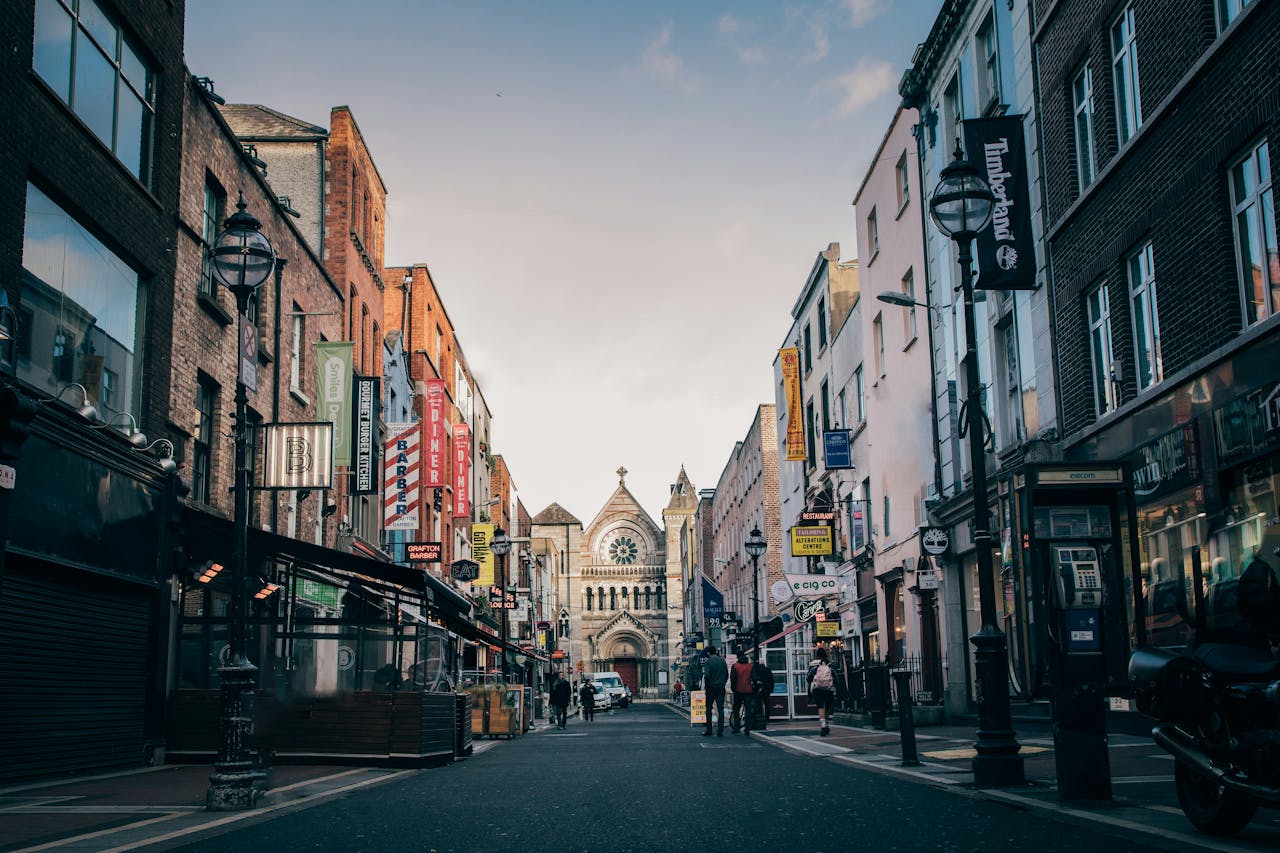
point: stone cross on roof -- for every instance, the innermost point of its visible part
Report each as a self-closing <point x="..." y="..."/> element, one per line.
<point x="622" y="476"/>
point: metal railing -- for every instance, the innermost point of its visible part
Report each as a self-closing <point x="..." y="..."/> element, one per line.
<point x="869" y="685"/>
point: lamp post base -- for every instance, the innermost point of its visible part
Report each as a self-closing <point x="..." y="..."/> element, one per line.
<point x="235" y="784"/>
<point x="998" y="763"/>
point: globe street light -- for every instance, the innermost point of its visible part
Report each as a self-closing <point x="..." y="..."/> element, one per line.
<point x="242" y="260"/>
<point x="961" y="207"/>
<point x="755" y="546"/>
<point x="501" y="547"/>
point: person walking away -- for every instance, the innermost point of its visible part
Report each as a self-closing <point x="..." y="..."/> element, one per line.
<point x="560" y="694"/>
<point x="822" y="688"/>
<point x="587" y="696"/>
<point x="761" y="690"/>
<point x="740" y="684"/>
<point x="715" y="676"/>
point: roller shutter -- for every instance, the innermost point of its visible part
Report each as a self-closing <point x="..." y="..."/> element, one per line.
<point x="73" y="656"/>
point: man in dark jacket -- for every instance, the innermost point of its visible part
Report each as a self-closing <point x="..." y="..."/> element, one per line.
<point x="560" y="694"/>
<point x="762" y="687"/>
<point x="715" y="675"/>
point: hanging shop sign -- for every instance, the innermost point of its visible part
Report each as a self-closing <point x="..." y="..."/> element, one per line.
<point x="434" y="452"/>
<point x="712" y="604"/>
<point x="401" y="470"/>
<point x="836" y="448"/>
<point x="790" y="359"/>
<point x="248" y="354"/>
<point x="807" y="609"/>
<point x="298" y="456"/>
<point x="1004" y="251"/>
<point x="333" y="363"/>
<point x="935" y="540"/>
<point x="827" y="630"/>
<point x="364" y="479"/>
<point x="481" y="536"/>
<point x="811" y="541"/>
<point x="462" y="471"/>
<point x="812" y="586"/>
<point x="422" y="552"/>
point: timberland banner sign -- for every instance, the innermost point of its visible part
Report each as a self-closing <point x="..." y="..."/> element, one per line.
<point x="333" y="362"/>
<point x="1004" y="251"/>
<point x="790" y="359"/>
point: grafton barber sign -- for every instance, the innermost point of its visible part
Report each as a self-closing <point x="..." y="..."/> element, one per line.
<point x="1004" y="251"/>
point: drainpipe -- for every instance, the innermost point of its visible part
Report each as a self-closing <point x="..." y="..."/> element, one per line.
<point x="275" y="382"/>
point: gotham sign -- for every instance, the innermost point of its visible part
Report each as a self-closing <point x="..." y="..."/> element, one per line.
<point x="1004" y="250"/>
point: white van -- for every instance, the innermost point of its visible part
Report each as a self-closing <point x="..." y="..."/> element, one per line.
<point x="619" y="693"/>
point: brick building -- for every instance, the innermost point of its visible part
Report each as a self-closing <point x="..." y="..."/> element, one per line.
<point x="89" y="178"/>
<point x="1157" y="124"/>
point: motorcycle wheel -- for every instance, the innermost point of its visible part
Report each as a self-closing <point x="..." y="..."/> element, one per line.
<point x="1211" y="808"/>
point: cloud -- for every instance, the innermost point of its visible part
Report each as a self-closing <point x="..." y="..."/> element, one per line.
<point x="663" y="63"/>
<point x="751" y="56"/>
<point x="861" y="12"/>
<point x="821" y="41"/>
<point x="868" y="80"/>
<point x="728" y="24"/>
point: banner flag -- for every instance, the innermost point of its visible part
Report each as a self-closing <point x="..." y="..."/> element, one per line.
<point x="712" y="603"/>
<point x="333" y="363"/>
<point x="367" y="398"/>
<point x="434" y="455"/>
<point x="401" y="476"/>
<point x="461" y="471"/>
<point x="1004" y="252"/>
<point x="795" y="413"/>
<point x="481" y="536"/>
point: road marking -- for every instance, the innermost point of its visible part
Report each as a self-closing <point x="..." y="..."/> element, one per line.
<point x="306" y="782"/>
<point x="571" y="734"/>
<point x="970" y="752"/>
<point x="1138" y="780"/>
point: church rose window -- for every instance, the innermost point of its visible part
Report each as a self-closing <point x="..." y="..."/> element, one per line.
<point x="623" y="550"/>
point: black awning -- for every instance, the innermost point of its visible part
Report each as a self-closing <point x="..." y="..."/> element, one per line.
<point x="483" y="636"/>
<point x="263" y="543"/>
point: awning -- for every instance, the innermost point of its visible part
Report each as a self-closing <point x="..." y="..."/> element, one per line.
<point x="451" y="604"/>
<point x="785" y="631"/>
<point x="483" y="636"/>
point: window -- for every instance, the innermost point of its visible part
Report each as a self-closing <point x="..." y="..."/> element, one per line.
<point x="988" y="64"/>
<point x="1104" y="396"/>
<point x="1124" y="69"/>
<point x="1255" y="223"/>
<point x="808" y="355"/>
<point x="203" y="432"/>
<point x="85" y="58"/>
<point x="1146" y="318"/>
<point x="296" y="350"/>
<point x="82" y="310"/>
<point x="903" y="181"/>
<point x="648" y="598"/>
<point x="215" y="203"/>
<point x="857" y="395"/>
<point x="877" y="338"/>
<point x="873" y="234"/>
<point x="613" y="598"/>
<point x="952" y="113"/>
<point x="1082" y="95"/>
<point x="1229" y="10"/>
<point x="826" y="406"/>
<point x="909" y="316"/>
<point x="589" y="598"/>
<point x="886" y="516"/>
<point x="809" y="417"/>
<point x="822" y="323"/>
<point x="841" y="410"/>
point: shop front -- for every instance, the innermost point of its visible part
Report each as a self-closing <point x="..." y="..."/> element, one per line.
<point x="358" y="659"/>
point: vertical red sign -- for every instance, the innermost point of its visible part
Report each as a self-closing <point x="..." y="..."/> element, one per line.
<point x="433" y="451"/>
<point x="461" y="470"/>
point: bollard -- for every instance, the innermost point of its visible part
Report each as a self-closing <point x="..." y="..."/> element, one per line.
<point x="906" y="725"/>
<point x="878" y="701"/>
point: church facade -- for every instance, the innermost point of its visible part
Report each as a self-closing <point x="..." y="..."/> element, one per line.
<point x="618" y="592"/>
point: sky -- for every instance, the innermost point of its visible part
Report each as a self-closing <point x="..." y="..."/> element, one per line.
<point x="619" y="201"/>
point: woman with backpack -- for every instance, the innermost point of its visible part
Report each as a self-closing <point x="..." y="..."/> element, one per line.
<point x="822" y="688"/>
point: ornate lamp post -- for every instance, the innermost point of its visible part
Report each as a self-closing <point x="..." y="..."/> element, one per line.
<point x="501" y="547"/>
<point x="242" y="260"/>
<point x="961" y="207"/>
<point x="755" y="546"/>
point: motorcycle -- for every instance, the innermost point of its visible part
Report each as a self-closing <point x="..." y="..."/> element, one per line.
<point x="1218" y="705"/>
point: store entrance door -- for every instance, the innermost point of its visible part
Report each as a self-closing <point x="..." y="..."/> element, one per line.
<point x="629" y="670"/>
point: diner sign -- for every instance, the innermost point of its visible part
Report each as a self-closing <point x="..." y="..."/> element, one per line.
<point x="433" y="457"/>
<point x="462" y="475"/>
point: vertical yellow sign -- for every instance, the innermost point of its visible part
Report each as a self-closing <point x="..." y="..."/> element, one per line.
<point x="698" y="708"/>
<point x="481" y="536"/>
<point x="790" y="358"/>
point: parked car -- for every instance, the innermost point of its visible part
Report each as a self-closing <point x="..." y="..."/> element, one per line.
<point x="619" y="693"/>
<point x="603" y="700"/>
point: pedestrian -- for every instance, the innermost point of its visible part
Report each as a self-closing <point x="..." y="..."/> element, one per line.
<point x="762" y="689"/>
<point x="560" y="694"/>
<point x="715" y="676"/>
<point x="822" y="688"/>
<point x="587" y="696"/>
<point x="740" y="684"/>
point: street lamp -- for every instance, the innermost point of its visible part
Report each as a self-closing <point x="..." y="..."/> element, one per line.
<point x="961" y="207"/>
<point x="242" y="260"/>
<point x="501" y="547"/>
<point x="755" y="546"/>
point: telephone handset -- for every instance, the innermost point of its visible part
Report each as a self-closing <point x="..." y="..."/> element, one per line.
<point x="1079" y="576"/>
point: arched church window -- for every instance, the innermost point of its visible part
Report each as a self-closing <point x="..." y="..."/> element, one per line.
<point x="624" y="598"/>
<point x="613" y="598"/>
<point x="648" y="598"/>
<point x="658" y="596"/>
<point x="588" y="598"/>
<point x="564" y="624"/>
<point x="635" y="597"/>
<point x="600" y="596"/>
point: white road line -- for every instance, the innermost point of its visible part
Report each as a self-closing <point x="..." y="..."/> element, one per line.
<point x="306" y="782"/>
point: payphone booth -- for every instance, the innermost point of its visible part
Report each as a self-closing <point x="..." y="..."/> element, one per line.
<point x="1080" y="591"/>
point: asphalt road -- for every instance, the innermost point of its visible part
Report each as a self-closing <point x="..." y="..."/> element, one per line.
<point x="642" y="780"/>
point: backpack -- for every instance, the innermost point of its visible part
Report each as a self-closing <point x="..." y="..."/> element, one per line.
<point x="822" y="678"/>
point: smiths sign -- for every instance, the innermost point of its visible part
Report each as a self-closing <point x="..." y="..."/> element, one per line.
<point x="422" y="552"/>
<point x="811" y="541"/>
<point x="1005" y="252"/>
